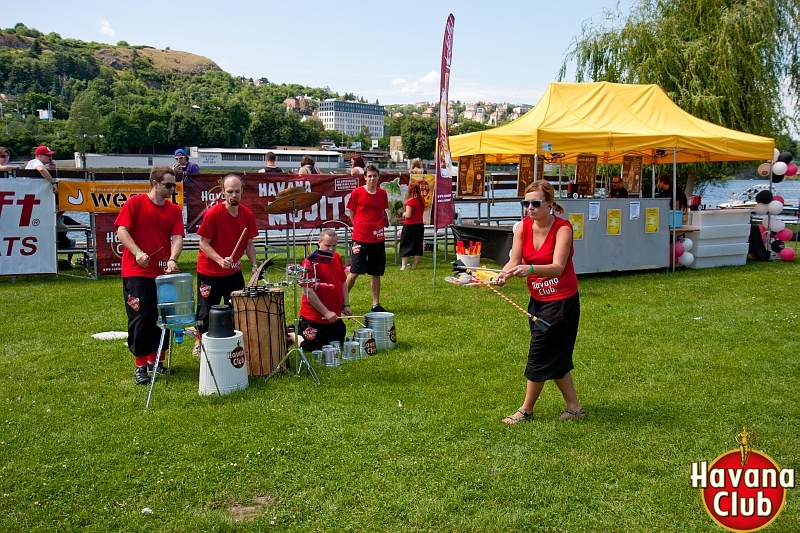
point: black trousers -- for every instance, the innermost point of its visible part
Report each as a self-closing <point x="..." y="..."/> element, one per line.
<point x="141" y="306"/>
<point x="215" y="288"/>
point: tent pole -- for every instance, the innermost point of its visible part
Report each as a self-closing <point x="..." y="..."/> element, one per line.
<point x="674" y="197"/>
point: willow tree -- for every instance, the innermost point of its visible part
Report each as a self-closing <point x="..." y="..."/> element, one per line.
<point x="731" y="62"/>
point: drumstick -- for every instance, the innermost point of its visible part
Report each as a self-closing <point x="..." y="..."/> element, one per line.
<point x="238" y="243"/>
<point x="541" y="324"/>
<point x="353" y="318"/>
<point x="154" y="253"/>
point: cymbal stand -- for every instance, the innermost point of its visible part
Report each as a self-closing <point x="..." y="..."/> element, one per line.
<point x="293" y="274"/>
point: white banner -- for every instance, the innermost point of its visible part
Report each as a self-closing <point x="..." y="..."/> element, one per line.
<point x="27" y="227"/>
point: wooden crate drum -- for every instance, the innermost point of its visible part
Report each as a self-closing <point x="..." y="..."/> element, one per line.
<point x="262" y="321"/>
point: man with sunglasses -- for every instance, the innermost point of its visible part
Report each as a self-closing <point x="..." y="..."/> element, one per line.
<point x="183" y="167"/>
<point x="617" y="190"/>
<point x="150" y="229"/>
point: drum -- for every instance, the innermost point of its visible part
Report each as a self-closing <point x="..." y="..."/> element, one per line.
<point x="262" y="320"/>
<point x="366" y="341"/>
<point x="383" y="325"/>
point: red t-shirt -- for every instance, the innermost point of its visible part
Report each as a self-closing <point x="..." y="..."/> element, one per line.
<point x="331" y="298"/>
<point x="223" y="231"/>
<point x="417" y="208"/>
<point x="152" y="227"/>
<point x="543" y="288"/>
<point x="368" y="211"/>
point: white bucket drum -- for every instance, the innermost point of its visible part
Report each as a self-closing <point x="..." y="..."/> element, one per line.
<point x="330" y="356"/>
<point x="366" y="341"/>
<point x="351" y="351"/>
<point x="383" y="326"/>
<point x="228" y="361"/>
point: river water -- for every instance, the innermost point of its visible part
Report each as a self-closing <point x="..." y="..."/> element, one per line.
<point x="712" y="195"/>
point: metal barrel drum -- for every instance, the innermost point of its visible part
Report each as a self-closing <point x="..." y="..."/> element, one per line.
<point x="351" y="351"/>
<point x="383" y="325"/>
<point x="366" y="341"/>
<point x="330" y="356"/>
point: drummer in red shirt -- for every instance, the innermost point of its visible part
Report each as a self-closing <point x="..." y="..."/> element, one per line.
<point x="542" y="253"/>
<point x="367" y="206"/>
<point x="219" y="266"/>
<point x="319" y="311"/>
<point x="150" y="229"/>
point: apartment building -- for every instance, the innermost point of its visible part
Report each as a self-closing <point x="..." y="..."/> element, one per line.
<point x="349" y="117"/>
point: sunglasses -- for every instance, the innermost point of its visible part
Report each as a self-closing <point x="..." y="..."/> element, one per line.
<point x="168" y="185"/>
<point x="180" y="157"/>
<point x="532" y="203"/>
<point x="616" y="182"/>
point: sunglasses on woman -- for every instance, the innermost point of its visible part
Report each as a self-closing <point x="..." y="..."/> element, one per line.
<point x="532" y="203"/>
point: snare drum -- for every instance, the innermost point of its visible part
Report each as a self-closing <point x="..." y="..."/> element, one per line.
<point x="261" y="318"/>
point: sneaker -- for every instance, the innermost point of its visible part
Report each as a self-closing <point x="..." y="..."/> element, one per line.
<point x="378" y="309"/>
<point x="140" y="375"/>
<point x="160" y="370"/>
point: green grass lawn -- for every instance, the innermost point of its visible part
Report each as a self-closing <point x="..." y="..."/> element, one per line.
<point x="668" y="368"/>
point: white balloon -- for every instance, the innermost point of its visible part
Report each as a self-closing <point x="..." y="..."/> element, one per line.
<point x="764" y="169"/>
<point x="775" y="207"/>
<point x="687" y="244"/>
<point x="761" y="209"/>
<point x="779" y="168"/>
<point x="776" y="224"/>
<point x="777" y="154"/>
<point x="686" y="259"/>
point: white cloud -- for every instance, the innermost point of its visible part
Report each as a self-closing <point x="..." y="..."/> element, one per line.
<point x="105" y="28"/>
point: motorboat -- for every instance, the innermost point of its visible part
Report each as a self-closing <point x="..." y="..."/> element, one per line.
<point x="747" y="200"/>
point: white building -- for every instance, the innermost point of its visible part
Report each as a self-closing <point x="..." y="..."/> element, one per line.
<point x="349" y="117"/>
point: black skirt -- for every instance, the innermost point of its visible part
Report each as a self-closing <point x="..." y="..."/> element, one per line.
<point x="550" y="353"/>
<point x="411" y="240"/>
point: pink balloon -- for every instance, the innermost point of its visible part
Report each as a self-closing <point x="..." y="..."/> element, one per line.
<point x="791" y="169"/>
<point x="787" y="254"/>
<point x="679" y="249"/>
<point x="778" y="198"/>
<point x="784" y="235"/>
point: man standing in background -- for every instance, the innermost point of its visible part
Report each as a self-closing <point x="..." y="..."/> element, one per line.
<point x="366" y="207"/>
<point x="43" y="163"/>
<point x="269" y="164"/>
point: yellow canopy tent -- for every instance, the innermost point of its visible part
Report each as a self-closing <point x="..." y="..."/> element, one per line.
<point x="611" y="120"/>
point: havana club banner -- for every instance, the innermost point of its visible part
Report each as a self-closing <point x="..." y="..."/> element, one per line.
<point x="108" y="247"/>
<point x="260" y="190"/>
<point x="444" y="208"/>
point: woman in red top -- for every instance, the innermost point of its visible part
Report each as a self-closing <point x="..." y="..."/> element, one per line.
<point x="542" y="253"/>
<point x="413" y="228"/>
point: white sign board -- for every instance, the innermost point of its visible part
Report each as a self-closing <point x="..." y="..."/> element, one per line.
<point x="27" y="227"/>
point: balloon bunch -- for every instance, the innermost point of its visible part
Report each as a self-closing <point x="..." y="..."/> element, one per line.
<point x="780" y="166"/>
<point x="682" y="251"/>
<point x="768" y="205"/>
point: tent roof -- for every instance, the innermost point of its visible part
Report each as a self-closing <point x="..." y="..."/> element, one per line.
<point x="611" y="120"/>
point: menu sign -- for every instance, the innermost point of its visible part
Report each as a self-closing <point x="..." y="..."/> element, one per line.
<point x="525" y="173"/>
<point x="632" y="174"/>
<point x="471" y="172"/>
<point x="586" y="173"/>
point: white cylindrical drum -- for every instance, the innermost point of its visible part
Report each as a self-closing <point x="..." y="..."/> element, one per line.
<point x="366" y="341"/>
<point x="383" y="326"/>
<point x="351" y="351"/>
<point x="227" y="358"/>
<point x="330" y="356"/>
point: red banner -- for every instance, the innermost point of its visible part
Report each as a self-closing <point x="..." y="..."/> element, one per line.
<point x="203" y="191"/>
<point x="444" y="208"/>
<point x="109" y="249"/>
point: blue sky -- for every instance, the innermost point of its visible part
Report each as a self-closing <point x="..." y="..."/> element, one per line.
<point x="503" y="51"/>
